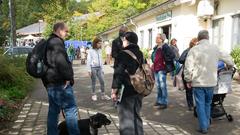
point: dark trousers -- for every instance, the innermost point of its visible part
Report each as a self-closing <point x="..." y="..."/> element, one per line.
<point x="189" y="97"/>
<point x="189" y="94"/>
<point x="130" y="121"/>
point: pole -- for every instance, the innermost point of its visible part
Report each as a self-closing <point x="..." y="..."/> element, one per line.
<point x="12" y="40"/>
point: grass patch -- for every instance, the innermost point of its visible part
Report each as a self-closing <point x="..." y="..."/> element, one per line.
<point x="15" y="84"/>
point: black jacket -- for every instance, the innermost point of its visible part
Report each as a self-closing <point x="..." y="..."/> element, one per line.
<point x="59" y="67"/>
<point x="183" y="56"/>
<point x="117" y="46"/>
<point x="169" y="57"/>
<point x="126" y="62"/>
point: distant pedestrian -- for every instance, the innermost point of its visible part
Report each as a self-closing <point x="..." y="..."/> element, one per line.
<point x="117" y="44"/>
<point x="129" y="108"/>
<point x="58" y="82"/>
<point x="108" y="50"/>
<point x="78" y="52"/>
<point x="200" y="73"/>
<point x="174" y="47"/>
<point x="182" y="59"/>
<point x="70" y="53"/>
<point x="95" y="68"/>
<point x="163" y="62"/>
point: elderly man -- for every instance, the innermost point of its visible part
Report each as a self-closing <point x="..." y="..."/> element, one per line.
<point x="200" y="73"/>
<point x="162" y="58"/>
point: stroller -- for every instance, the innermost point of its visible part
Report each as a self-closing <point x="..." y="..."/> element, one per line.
<point x="223" y="87"/>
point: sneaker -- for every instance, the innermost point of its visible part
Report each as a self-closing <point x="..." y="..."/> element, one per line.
<point x="163" y="106"/>
<point x="190" y="108"/>
<point x="202" y="131"/>
<point x="94" y="97"/>
<point x="157" y="105"/>
<point x="105" y="97"/>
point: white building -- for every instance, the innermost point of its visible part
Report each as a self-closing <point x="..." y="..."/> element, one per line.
<point x="183" y="19"/>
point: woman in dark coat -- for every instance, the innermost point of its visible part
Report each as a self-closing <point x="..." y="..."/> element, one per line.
<point x="131" y="102"/>
<point x="182" y="59"/>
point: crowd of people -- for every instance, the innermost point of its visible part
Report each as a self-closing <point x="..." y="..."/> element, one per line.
<point x="79" y="53"/>
<point x="199" y="63"/>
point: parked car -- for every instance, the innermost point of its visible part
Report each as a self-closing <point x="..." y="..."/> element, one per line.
<point x="18" y="51"/>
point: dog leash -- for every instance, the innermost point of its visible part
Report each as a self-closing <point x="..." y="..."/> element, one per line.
<point x="63" y="114"/>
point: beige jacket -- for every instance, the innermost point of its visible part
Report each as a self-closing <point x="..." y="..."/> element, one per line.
<point x="201" y="64"/>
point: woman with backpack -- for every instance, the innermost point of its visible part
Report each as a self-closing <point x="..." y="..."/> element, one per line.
<point x="131" y="102"/>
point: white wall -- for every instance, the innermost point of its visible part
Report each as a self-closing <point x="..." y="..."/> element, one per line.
<point x="186" y="24"/>
<point x="226" y="9"/>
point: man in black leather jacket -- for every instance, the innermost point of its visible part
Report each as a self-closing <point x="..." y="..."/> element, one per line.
<point x="58" y="82"/>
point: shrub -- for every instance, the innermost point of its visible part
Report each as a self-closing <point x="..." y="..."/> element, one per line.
<point x="14" y="84"/>
<point x="236" y="57"/>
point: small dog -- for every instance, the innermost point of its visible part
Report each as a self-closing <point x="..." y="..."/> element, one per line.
<point x="87" y="126"/>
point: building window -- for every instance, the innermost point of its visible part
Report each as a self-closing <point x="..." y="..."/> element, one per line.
<point x="236" y="31"/>
<point x="142" y="38"/>
<point x="218" y="32"/>
<point x="150" y="38"/>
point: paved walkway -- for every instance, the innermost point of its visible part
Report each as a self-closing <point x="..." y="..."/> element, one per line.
<point x="33" y="116"/>
<point x="174" y="120"/>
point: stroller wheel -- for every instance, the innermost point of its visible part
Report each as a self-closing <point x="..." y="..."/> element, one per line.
<point x="230" y="118"/>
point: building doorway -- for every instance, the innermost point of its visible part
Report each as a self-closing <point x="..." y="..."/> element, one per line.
<point x="167" y="30"/>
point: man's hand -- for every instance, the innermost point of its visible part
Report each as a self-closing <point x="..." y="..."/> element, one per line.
<point x="66" y="84"/>
<point x="114" y="95"/>
<point x="189" y="85"/>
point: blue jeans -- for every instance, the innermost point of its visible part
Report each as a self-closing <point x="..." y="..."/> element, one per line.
<point x="161" y="82"/>
<point x="97" y="73"/>
<point x="60" y="98"/>
<point x="203" y="99"/>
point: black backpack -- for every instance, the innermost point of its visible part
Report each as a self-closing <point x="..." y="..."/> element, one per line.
<point x="36" y="60"/>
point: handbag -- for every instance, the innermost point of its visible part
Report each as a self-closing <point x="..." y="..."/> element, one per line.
<point x="178" y="80"/>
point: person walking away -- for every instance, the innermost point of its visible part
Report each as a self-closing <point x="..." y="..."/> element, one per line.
<point x="58" y="82"/>
<point x="108" y="50"/>
<point x="117" y="44"/>
<point x="174" y="47"/>
<point x="182" y="59"/>
<point x="200" y="73"/>
<point x="95" y="68"/>
<point x="162" y="58"/>
<point x="131" y="103"/>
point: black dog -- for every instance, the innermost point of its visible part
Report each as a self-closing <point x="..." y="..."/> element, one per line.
<point x="87" y="126"/>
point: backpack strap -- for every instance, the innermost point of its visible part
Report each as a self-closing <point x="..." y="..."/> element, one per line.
<point x="132" y="55"/>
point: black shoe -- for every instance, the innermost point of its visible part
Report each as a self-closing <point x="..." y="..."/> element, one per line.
<point x="202" y="131"/>
<point x="190" y="108"/>
<point x="157" y="105"/>
<point x="163" y="107"/>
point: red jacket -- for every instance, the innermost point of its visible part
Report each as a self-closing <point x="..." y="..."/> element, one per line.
<point x="159" y="63"/>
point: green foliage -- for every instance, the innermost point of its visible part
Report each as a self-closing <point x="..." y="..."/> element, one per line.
<point x="145" y="53"/>
<point x="14" y="84"/>
<point x="236" y="57"/>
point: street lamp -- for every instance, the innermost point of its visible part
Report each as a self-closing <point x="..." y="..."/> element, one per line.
<point x="39" y="24"/>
